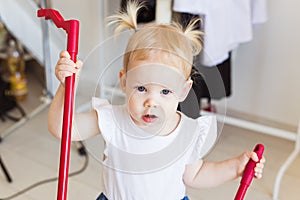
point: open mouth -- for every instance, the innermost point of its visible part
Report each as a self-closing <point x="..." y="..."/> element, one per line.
<point x="149" y="118"/>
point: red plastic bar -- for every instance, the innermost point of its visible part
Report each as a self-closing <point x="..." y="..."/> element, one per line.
<point x="72" y="29"/>
<point x="249" y="173"/>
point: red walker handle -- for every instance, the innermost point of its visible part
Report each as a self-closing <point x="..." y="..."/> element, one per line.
<point x="72" y="29"/>
<point x="249" y="173"/>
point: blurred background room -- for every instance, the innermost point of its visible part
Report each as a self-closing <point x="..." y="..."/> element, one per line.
<point x="250" y="68"/>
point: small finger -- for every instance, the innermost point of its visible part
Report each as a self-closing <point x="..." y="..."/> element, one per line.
<point x="258" y="169"/>
<point x="79" y="64"/>
<point x="64" y="54"/>
<point x="66" y="61"/>
<point x="254" y="157"/>
<point x="258" y="175"/>
<point x="262" y="160"/>
<point x="66" y="65"/>
<point x="260" y="165"/>
<point x="63" y="74"/>
<point x="70" y="69"/>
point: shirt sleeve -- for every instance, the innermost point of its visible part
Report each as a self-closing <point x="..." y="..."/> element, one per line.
<point x="105" y="116"/>
<point x="207" y="136"/>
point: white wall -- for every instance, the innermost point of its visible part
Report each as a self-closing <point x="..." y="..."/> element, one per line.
<point x="90" y="16"/>
<point x="266" y="71"/>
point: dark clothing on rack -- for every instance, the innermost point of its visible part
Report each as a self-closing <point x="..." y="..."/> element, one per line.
<point x="216" y="80"/>
<point x="146" y="13"/>
<point x="212" y="82"/>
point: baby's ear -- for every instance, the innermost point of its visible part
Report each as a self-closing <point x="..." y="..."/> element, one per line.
<point x="186" y="89"/>
<point x="122" y="78"/>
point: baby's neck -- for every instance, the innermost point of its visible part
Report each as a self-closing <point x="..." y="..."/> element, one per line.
<point x="171" y="125"/>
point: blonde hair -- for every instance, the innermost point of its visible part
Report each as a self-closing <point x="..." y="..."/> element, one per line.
<point x="171" y="43"/>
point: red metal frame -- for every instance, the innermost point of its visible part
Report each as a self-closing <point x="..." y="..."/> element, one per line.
<point x="72" y="29"/>
<point x="249" y="173"/>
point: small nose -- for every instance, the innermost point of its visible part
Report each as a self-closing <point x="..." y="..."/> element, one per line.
<point x="150" y="103"/>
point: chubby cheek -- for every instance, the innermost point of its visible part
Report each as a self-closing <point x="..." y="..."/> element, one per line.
<point x="134" y="105"/>
<point x="171" y="107"/>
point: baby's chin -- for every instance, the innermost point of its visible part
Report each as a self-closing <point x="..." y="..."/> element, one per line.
<point x="147" y="121"/>
<point x="155" y="127"/>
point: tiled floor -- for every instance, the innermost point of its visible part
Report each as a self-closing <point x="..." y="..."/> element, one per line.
<point x="31" y="154"/>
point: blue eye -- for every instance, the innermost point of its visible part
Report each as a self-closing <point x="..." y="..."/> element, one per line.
<point x="141" y="89"/>
<point x="165" y="91"/>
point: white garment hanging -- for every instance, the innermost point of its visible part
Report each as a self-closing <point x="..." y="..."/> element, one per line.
<point x="259" y="11"/>
<point x="227" y="24"/>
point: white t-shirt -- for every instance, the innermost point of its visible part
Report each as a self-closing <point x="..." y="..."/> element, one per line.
<point x="139" y="165"/>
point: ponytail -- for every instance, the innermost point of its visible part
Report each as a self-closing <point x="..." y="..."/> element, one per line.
<point x="126" y="19"/>
<point x="194" y="35"/>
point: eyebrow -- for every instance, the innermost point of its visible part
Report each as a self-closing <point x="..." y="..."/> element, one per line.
<point x="139" y="83"/>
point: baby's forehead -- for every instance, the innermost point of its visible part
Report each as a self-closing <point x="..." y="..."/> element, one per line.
<point x="154" y="73"/>
<point x="157" y="56"/>
<point x="154" y="66"/>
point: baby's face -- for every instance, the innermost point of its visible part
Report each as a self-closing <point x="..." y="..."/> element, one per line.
<point x="153" y="91"/>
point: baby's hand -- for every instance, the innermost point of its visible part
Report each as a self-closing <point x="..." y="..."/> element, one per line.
<point x="259" y="168"/>
<point x="244" y="158"/>
<point x="66" y="67"/>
